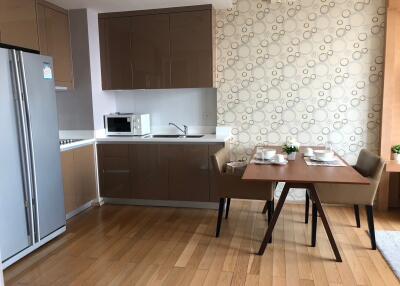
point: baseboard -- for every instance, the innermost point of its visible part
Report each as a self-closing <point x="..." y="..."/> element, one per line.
<point x="162" y="203"/>
<point x="79" y="210"/>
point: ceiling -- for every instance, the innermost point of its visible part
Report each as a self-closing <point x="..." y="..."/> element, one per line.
<point x="128" y="5"/>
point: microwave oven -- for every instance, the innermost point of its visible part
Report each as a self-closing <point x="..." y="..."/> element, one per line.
<point x="128" y="124"/>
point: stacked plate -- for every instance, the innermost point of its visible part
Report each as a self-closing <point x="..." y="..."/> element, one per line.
<point x="323" y="156"/>
<point x="269" y="156"/>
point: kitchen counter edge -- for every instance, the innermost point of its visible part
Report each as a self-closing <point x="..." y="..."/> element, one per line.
<point x="208" y="138"/>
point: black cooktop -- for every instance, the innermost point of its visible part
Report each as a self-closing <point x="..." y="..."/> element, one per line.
<point x="68" y="141"/>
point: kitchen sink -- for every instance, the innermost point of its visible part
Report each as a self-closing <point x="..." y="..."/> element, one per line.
<point x="191" y="136"/>
<point x="166" y="136"/>
<point x="176" y="136"/>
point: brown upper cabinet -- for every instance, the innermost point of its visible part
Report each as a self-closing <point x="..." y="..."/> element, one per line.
<point x="115" y="47"/>
<point x="163" y="48"/>
<point x="150" y="51"/>
<point x="191" y="52"/>
<point x="55" y="41"/>
<point x="39" y="26"/>
<point x="18" y="24"/>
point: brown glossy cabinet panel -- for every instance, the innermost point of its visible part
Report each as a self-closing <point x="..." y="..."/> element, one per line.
<point x="157" y="171"/>
<point x="114" y="171"/>
<point x="191" y="49"/>
<point x="79" y="177"/>
<point x="18" y="24"/>
<point x="163" y="48"/>
<point x="150" y="51"/>
<point x="188" y="172"/>
<point x="115" y="50"/>
<point x="149" y="167"/>
<point x="55" y="41"/>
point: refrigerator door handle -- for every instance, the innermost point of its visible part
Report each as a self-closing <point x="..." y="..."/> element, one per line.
<point x="24" y="146"/>
<point x="31" y="155"/>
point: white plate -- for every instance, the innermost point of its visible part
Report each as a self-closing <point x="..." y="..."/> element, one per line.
<point x="308" y="155"/>
<point x="313" y="158"/>
<point x="262" y="159"/>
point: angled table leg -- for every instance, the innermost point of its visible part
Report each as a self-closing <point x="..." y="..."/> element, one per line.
<point x="274" y="219"/>
<point x="315" y="198"/>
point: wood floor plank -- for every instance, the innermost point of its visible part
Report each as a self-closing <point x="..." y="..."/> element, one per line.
<point x="290" y="248"/>
<point x="127" y="245"/>
<point x="302" y="242"/>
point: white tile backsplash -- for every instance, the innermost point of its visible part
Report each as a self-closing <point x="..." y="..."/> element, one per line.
<point x="193" y="107"/>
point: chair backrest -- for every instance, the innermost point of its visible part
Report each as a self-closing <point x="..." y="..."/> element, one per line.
<point x="219" y="160"/>
<point x="367" y="163"/>
<point x="370" y="165"/>
<point x="232" y="186"/>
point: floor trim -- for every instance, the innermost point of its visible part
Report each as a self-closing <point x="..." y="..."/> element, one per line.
<point x="79" y="210"/>
<point x="162" y="203"/>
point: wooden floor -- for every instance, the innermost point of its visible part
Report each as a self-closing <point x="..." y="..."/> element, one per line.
<point x="126" y="245"/>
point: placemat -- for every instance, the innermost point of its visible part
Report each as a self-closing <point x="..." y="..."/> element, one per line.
<point x="337" y="163"/>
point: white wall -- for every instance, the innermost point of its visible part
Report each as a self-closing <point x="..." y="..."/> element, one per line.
<point x="75" y="106"/>
<point x="192" y="107"/>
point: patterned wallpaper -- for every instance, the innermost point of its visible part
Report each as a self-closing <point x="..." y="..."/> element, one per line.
<point x="308" y="69"/>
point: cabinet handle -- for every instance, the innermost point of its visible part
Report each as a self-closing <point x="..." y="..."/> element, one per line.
<point x="117" y="171"/>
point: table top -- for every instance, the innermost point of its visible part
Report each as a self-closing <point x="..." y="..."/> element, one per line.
<point x="298" y="171"/>
<point x="392" y="166"/>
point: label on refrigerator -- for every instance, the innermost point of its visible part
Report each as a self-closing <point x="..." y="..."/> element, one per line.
<point x="47" y="72"/>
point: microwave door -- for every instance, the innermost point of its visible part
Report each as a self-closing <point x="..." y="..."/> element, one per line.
<point x="118" y="125"/>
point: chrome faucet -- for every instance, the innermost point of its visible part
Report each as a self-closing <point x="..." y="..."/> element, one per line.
<point x="184" y="130"/>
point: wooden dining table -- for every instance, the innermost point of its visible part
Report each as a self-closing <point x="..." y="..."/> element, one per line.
<point x="297" y="174"/>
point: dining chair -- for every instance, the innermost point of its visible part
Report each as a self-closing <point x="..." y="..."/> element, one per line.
<point x="230" y="186"/>
<point x="370" y="166"/>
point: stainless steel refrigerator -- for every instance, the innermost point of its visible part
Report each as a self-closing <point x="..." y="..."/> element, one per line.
<point x="31" y="191"/>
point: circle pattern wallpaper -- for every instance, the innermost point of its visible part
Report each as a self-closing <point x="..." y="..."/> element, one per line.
<point x="307" y="69"/>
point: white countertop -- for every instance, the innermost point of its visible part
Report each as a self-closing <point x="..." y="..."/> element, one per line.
<point x="222" y="135"/>
<point x="207" y="138"/>
<point x="77" y="144"/>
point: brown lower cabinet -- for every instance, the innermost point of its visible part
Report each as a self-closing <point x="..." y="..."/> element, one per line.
<point x="155" y="171"/>
<point x="149" y="167"/>
<point x="188" y="172"/>
<point x="79" y="177"/>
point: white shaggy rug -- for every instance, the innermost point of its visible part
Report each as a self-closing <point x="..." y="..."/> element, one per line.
<point x="388" y="243"/>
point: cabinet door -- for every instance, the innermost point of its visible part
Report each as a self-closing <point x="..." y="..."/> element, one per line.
<point x="67" y="164"/>
<point x="150" y="51"/>
<point x="79" y="177"/>
<point x="149" y="172"/>
<point x="18" y="25"/>
<point x="85" y="175"/>
<point x="114" y="171"/>
<point x="188" y="172"/>
<point x="55" y="41"/>
<point x="115" y="50"/>
<point x="191" y="49"/>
